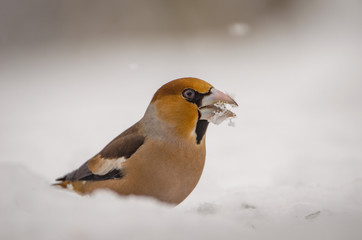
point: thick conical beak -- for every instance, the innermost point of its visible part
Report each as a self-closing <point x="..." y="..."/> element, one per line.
<point x="213" y="107"/>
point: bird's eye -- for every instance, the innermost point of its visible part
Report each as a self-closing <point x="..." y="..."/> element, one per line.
<point x="189" y="94"/>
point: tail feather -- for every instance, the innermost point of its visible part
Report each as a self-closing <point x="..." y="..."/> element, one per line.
<point x="61" y="178"/>
<point x="62" y="184"/>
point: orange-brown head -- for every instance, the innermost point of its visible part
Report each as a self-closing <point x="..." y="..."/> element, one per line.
<point x="188" y="104"/>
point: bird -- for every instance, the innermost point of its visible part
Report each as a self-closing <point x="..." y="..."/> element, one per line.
<point x="163" y="154"/>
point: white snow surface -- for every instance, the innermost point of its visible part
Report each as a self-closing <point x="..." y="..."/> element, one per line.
<point x="31" y="208"/>
<point x="291" y="168"/>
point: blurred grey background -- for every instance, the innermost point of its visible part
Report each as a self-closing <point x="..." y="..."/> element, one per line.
<point x="41" y="22"/>
<point x="74" y="74"/>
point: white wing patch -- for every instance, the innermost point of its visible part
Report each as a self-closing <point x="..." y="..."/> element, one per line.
<point x="109" y="165"/>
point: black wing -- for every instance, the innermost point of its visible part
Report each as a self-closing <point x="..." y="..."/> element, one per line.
<point x="123" y="146"/>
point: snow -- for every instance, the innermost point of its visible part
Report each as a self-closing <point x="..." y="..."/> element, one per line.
<point x="32" y="208"/>
<point x="217" y="113"/>
<point x="289" y="169"/>
<point x="221" y="113"/>
<point x="39" y="211"/>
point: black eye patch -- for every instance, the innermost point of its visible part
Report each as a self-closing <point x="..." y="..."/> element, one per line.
<point x="194" y="96"/>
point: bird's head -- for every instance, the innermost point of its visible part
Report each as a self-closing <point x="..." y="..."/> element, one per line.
<point x="189" y="104"/>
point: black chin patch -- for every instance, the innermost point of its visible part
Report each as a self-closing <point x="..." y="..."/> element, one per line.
<point x="201" y="128"/>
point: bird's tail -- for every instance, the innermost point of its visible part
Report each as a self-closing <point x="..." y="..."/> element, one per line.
<point x="62" y="182"/>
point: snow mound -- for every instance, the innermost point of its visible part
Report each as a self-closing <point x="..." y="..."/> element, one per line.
<point x="30" y="208"/>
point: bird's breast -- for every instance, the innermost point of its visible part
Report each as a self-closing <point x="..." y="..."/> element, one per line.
<point x="166" y="171"/>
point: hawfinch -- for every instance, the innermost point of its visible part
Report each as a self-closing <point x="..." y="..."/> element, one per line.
<point x="163" y="154"/>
